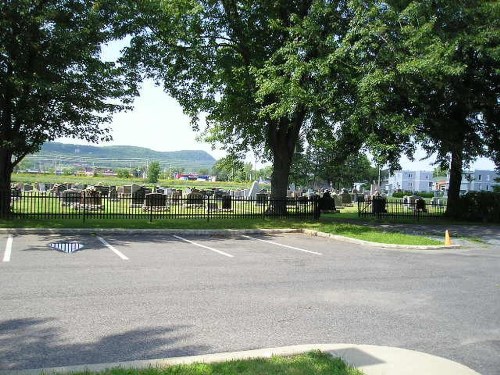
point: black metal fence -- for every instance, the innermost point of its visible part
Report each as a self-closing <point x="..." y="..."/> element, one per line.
<point x="396" y="208"/>
<point x="154" y="206"/>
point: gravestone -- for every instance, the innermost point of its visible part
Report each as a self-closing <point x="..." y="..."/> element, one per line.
<point x="155" y="201"/>
<point x="41" y="187"/>
<point x="90" y="199"/>
<point x="113" y="193"/>
<point x="252" y="194"/>
<point x="59" y="188"/>
<point x="194" y="198"/>
<point x="410" y="201"/>
<point x="28" y="187"/>
<point x="378" y="204"/>
<point x="346" y="198"/>
<point x="338" y="200"/>
<point x="139" y="194"/>
<point x="219" y="193"/>
<point x="262" y="197"/>
<point x="176" y="195"/>
<point x="226" y="202"/>
<point x="420" y="205"/>
<point x="70" y="196"/>
<point x="103" y="190"/>
<point x="327" y="202"/>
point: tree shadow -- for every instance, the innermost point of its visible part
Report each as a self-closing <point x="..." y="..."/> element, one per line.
<point x="38" y="343"/>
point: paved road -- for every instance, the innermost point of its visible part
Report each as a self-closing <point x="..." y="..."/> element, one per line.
<point x="126" y="297"/>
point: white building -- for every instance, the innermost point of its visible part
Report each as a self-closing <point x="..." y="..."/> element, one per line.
<point x="410" y="181"/>
<point x="478" y="180"/>
<point x="422" y="181"/>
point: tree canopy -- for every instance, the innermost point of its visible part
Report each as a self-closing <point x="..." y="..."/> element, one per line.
<point x="430" y="77"/>
<point x="52" y="80"/>
<point x="257" y="71"/>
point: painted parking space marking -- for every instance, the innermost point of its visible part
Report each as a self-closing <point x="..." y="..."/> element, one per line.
<point x="117" y="252"/>
<point x="205" y="247"/>
<point x="8" y="249"/>
<point x="287" y="246"/>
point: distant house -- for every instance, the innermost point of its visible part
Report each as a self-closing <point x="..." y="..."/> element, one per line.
<point x="410" y="181"/>
<point x="478" y="180"/>
<point x="422" y="181"/>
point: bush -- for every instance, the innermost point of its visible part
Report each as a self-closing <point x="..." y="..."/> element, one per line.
<point x="481" y="206"/>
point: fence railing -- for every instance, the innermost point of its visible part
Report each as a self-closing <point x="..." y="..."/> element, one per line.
<point x="382" y="207"/>
<point x="155" y="206"/>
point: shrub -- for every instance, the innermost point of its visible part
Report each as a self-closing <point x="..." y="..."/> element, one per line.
<point x="478" y="206"/>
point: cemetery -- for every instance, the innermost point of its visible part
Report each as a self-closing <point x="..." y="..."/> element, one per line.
<point x="73" y="200"/>
<point x="77" y="200"/>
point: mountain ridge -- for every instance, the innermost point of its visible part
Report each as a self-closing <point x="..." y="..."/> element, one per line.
<point x="119" y="156"/>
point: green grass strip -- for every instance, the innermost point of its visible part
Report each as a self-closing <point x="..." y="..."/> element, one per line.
<point x="361" y="232"/>
<point x="312" y="363"/>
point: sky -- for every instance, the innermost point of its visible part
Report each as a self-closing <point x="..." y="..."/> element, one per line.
<point x="158" y="122"/>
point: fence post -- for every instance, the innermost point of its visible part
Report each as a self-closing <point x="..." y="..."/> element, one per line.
<point x="150" y="208"/>
<point x="208" y="208"/>
<point x="84" y="205"/>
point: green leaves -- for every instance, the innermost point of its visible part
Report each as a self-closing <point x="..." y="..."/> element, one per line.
<point x="53" y="83"/>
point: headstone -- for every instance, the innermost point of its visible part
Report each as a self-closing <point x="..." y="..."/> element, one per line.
<point x="91" y="198"/>
<point x="253" y="190"/>
<point x="59" y="188"/>
<point x="103" y="190"/>
<point x="176" y="195"/>
<point x="70" y="196"/>
<point x="195" y="197"/>
<point x="338" y="200"/>
<point x="420" y="205"/>
<point x="378" y="204"/>
<point x="327" y="202"/>
<point x="113" y="193"/>
<point x="41" y="187"/>
<point x="28" y="187"/>
<point x="134" y="188"/>
<point x="262" y="197"/>
<point x="155" y="200"/>
<point x="139" y="195"/>
<point x="346" y="198"/>
<point x="226" y="202"/>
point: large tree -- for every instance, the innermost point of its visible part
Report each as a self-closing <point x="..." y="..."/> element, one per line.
<point x="256" y="70"/>
<point x="52" y="80"/>
<point x="430" y="77"/>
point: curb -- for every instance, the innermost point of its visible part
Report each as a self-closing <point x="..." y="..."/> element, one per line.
<point x="371" y="359"/>
<point x="376" y="244"/>
<point x="222" y="232"/>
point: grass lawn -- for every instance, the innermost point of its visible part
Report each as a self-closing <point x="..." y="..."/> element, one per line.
<point x="312" y="363"/>
<point x="326" y="225"/>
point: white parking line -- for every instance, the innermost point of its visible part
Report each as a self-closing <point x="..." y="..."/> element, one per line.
<point x="8" y="249"/>
<point x="278" y="244"/>
<point x="117" y="252"/>
<point x="205" y="247"/>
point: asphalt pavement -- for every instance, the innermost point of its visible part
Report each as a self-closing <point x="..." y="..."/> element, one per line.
<point x="133" y="297"/>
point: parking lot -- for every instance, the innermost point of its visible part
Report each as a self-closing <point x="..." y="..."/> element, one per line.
<point x="124" y="297"/>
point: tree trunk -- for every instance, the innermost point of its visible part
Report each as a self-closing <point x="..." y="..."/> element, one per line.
<point x="6" y="168"/>
<point x="455" y="181"/>
<point x="283" y="136"/>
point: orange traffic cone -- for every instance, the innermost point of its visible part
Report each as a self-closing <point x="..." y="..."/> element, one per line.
<point x="447" y="239"/>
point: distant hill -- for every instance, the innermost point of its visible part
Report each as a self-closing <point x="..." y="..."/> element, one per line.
<point x="62" y="154"/>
